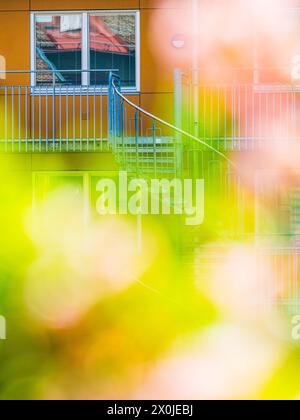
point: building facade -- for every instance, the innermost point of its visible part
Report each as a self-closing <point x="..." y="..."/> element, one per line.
<point x="231" y="91"/>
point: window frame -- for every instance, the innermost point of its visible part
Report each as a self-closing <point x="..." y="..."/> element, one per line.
<point x="85" y="87"/>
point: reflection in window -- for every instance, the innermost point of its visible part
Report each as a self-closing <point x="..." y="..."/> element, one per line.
<point x="58" y="48"/>
<point x="86" y="41"/>
<point x="113" y="46"/>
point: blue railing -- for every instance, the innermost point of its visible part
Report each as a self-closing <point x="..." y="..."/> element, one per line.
<point x="52" y="116"/>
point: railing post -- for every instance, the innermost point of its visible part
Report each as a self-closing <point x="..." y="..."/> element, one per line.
<point x="122" y="112"/>
<point x="110" y="107"/>
<point x="114" y="108"/>
<point x="136" y="138"/>
<point x="154" y="146"/>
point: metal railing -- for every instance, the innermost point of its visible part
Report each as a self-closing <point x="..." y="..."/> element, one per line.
<point x="240" y="116"/>
<point x="144" y="143"/>
<point x="57" y="116"/>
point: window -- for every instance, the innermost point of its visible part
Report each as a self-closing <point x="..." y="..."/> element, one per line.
<point x="77" y="45"/>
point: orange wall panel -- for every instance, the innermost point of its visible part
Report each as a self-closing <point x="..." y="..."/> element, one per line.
<point x="159" y="104"/>
<point x="165" y="4"/>
<point x="15" y="44"/>
<point x="83" y="4"/>
<point x="14" y="5"/>
<point x="159" y="57"/>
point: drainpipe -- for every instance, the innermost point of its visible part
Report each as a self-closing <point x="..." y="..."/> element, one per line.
<point x="178" y="106"/>
<point x="195" y="83"/>
<point x="195" y="67"/>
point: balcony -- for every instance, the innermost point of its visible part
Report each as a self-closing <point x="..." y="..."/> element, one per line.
<point x="242" y="117"/>
<point x="53" y="117"/>
<point x="60" y="117"/>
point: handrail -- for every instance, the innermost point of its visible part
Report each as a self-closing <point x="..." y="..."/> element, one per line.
<point x="173" y="127"/>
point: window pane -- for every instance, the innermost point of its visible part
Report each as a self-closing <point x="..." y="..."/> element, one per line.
<point x="58" y="47"/>
<point x="113" y="46"/>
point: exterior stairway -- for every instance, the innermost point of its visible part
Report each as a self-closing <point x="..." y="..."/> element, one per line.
<point x="147" y="155"/>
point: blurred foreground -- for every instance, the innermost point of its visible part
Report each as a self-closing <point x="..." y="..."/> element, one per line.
<point x="89" y="317"/>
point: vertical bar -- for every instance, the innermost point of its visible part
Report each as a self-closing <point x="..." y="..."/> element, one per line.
<point x="239" y="115"/>
<point x="154" y="147"/>
<point x="54" y="109"/>
<point x="195" y="70"/>
<point x="122" y="132"/>
<point x="280" y="114"/>
<point x="246" y="113"/>
<point x="33" y="121"/>
<point x="5" y="118"/>
<point x="85" y="79"/>
<point x="225" y="116"/>
<point x="101" y="117"/>
<point x="260" y="119"/>
<point x="47" y="122"/>
<point x="204" y="113"/>
<point x="136" y="136"/>
<point x="218" y="116"/>
<point x="87" y="120"/>
<point x="273" y="116"/>
<point x="19" y="116"/>
<point x="12" y="118"/>
<point x="39" y="119"/>
<point x="94" y="117"/>
<point x="74" y="120"/>
<point x="80" y="117"/>
<point x="60" y="118"/>
<point x="26" y="119"/>
<point x="67" y="119"/>
<point x="127" y="135"/>
<point x="287" y="115"/>
<point x="233" y="117"/>
<point x="253" y="118"/>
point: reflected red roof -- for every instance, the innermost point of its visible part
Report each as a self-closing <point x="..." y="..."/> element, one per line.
<point x="101" y="38"/>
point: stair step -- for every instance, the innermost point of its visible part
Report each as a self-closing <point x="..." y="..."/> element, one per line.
<point x="148" y="149"/>
<point x="145" y="159"/>
<point x="145" y="141"/>
<point x="149" y="170"/>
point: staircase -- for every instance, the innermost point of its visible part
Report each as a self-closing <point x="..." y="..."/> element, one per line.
<point x="147" y="155"/>
<point x="139" y="144"/>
